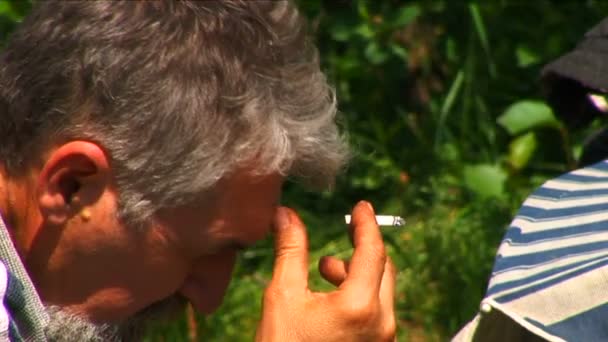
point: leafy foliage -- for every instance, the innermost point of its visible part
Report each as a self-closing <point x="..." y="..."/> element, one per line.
<point x="444" y="112"/>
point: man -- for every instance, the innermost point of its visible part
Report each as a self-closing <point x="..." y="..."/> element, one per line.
<point x="550" y="276"/>
<point x="143" y="144"/>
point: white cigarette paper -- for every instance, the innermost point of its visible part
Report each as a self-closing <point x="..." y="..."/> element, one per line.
<point x="383" y="220"/>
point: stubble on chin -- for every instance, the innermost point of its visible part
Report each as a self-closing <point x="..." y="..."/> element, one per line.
<point x="67" y="327"/>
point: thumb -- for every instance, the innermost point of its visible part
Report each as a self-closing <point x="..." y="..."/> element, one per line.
<point x="291" y="251"/>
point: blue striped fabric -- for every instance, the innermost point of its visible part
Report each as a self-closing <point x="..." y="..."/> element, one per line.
<point x="551" y="271"/>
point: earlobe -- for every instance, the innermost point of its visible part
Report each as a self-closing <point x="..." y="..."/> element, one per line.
<point x="73" y="177"/>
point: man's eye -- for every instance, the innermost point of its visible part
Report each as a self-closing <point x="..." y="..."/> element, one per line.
<point x="239" y="248"/>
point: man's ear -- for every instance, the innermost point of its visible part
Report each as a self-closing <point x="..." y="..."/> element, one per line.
<point x="74" y="175"/>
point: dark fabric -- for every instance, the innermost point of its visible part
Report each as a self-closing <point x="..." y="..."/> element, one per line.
<point x="595" y="148"/>
<point x="568" y="79"/>
<point x="588" y="62"/>
<point x="496" y="326"/>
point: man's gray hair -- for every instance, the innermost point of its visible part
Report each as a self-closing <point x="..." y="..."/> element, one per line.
<point x="179" y="94"/>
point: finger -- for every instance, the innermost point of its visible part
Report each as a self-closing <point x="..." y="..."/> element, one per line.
<point x="367" y="264"/>
<point x="387" y="295"/>
<point x="333" y="269"/>
<point x="291" y="251"/>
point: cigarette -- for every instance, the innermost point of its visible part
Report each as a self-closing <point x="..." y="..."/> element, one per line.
<point x="383" y="220"/>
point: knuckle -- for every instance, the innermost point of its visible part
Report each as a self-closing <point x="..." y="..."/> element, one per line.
<point x="289" y="249"/>
<point x="388" y="332"/>
<point x="273" y="295"/>
<point x="361" y="312"/>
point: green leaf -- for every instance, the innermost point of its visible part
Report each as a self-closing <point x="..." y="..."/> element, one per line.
<point x="447" y="105"/>
<point x="521" y="150"/>
<point x="362" y="9"/>
<point x="375" y="54"/>
<point x="451" y="97"/>
<point x="451" y="49"/>
<point x="480" y="27"/>
<point x="365" y="31"/>
<point x="341" y="33"/>
<point x="398" y="50"/>
<point x="7" y="10"/>
<point x="405" y="15"/>
<point x="525" y="57"/>
<point x="526" y="115"/>
<point x="486" y="180"/>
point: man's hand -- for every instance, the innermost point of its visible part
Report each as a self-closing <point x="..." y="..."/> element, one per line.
<point x="360" y="309"/>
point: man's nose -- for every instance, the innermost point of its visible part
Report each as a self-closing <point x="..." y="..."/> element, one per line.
<point x="207" y="282"/>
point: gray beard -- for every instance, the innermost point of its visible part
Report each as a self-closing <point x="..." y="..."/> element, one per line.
<point x="68" y="327"/>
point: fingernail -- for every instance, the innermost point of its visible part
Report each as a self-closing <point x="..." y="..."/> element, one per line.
<point x="281" y="218"/>
<point x="369" y="206"/>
